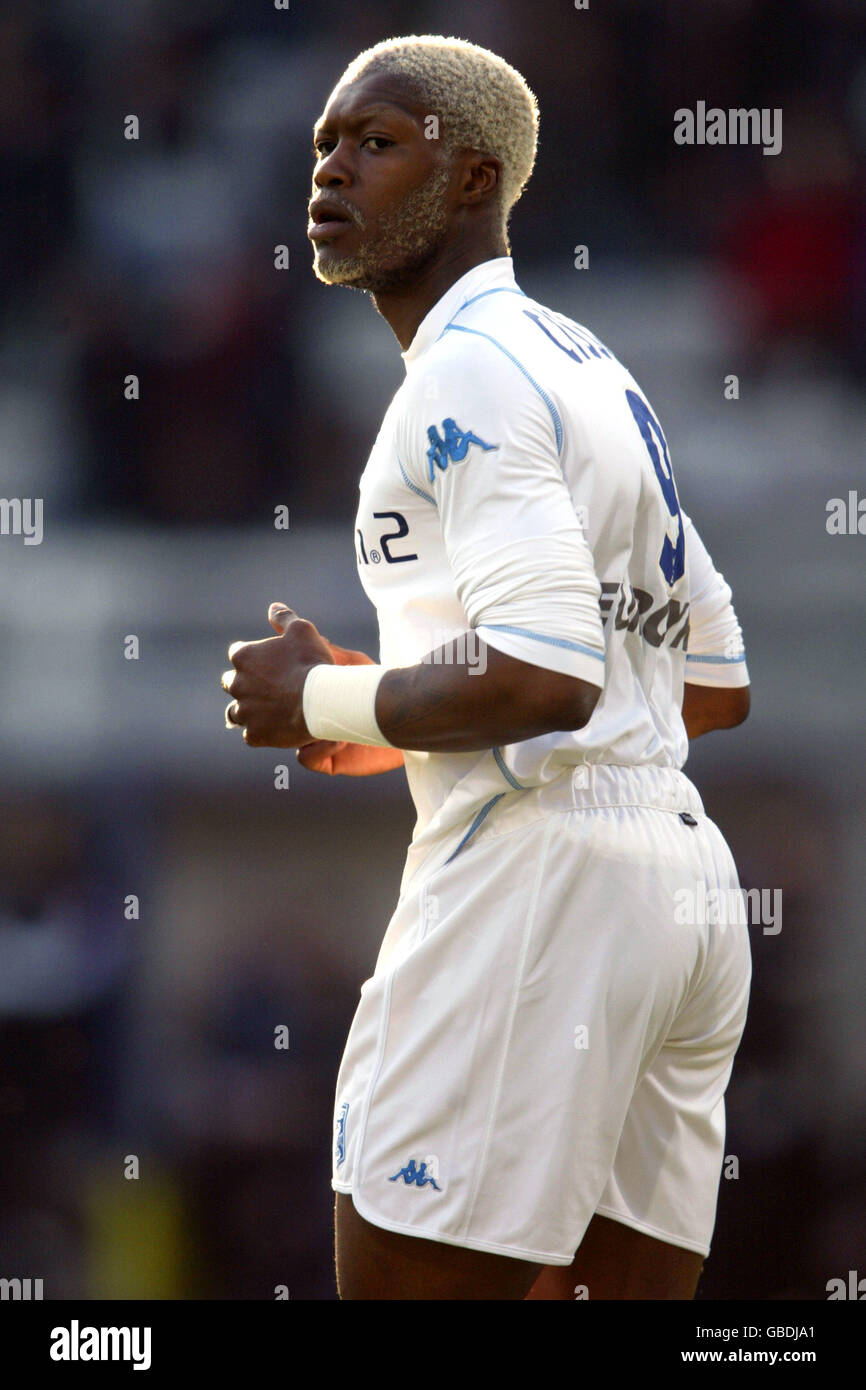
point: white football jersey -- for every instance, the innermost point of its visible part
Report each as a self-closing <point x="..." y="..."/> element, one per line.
<point x="520" y="491"/>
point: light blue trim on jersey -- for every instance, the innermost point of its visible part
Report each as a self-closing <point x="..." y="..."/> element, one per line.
<point x="507" y="773"/>
<point x="475" y="824"/>
<point x="557" y="422"/>
<point x="500" y="289"/>
<point x="542" y="637"/>
<point x="408" y="481"/>
<point x="717" y="660"/>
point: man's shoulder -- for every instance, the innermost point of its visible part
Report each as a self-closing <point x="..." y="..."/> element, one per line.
<point x="473" y="376"/>
<point x="512" y="330"/>
<point x="483" y="345"/>
<point x="495" y="319"/>
<point x="509" y="356"/>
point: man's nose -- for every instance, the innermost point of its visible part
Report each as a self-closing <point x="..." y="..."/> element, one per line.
<point x="333" y="170"/>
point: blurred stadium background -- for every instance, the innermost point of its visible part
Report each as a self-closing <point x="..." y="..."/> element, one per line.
<point x="259" y="388"/>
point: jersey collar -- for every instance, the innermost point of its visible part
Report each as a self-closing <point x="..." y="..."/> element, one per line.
<point x="493" y="274"/>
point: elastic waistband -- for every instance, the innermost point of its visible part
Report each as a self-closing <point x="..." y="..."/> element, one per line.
<point x="587" y="787"/>
<point x="584" y="787"/>
<point x="606" y="784"/>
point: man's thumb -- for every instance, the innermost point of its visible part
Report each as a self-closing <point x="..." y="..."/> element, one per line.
<point x="280" y="615"/>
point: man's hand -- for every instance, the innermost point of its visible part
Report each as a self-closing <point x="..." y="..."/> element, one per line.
<point x="268" y="680"/>
<point x="348" y="759"/>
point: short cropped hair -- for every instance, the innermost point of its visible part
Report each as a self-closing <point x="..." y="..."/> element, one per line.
<point x="482" y="103"/>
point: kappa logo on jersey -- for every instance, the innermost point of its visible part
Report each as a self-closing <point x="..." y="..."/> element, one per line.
<point x="419" y="1175"/>
<point x="453" y="448"/>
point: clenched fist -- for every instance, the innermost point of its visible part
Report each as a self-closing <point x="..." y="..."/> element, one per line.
<point x="267" y="682"/>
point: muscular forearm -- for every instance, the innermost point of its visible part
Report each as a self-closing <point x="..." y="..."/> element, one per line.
<point x="449" y="706"/>
<point x="445" y="704"/>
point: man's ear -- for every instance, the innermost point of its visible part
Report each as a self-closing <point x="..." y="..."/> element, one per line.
<point x="483" y="176"/>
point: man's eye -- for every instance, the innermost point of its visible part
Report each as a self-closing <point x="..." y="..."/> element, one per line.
<point x="322" y="148"/>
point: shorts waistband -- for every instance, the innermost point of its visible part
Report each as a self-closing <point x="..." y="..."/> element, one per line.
<point x="582" y="787"/>
<point x="607" y="784"/>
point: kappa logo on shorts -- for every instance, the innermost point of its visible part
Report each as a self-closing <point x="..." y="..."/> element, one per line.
<point x="453" y="448"/>
<point x="422" y="1174"/>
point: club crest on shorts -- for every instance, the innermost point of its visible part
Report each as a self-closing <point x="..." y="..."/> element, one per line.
<point x="423" y="1174"/>
<point x="340" y="1134"/>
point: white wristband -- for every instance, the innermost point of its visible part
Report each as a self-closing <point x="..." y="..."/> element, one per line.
<point x="339" y="702"/>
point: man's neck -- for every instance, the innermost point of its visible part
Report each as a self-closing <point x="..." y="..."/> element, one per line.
<point x="405" y="308"/>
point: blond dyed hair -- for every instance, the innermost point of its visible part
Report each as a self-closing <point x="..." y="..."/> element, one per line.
<point x="482" y="103"/>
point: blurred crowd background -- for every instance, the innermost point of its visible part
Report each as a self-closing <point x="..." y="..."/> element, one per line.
<point x="164" y="907"/>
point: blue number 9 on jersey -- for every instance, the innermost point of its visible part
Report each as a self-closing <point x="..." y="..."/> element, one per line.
<point x="672" y="561"/>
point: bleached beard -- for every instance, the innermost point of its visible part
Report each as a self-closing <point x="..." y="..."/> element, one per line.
<point x="408" y="237"/>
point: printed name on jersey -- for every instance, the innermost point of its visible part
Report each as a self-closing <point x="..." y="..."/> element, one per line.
<point x="453" y="447"/>
<point x="586" y="343"/>
<point x="634" y="603"/>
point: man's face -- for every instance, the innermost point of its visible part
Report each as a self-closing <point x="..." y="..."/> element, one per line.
<point x="386" y="179"/>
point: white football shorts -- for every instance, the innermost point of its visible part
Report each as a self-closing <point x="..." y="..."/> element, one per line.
<point x="548" y="1033"/>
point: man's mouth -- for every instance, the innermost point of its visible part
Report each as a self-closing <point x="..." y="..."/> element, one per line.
<point x="327" y="219"/>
